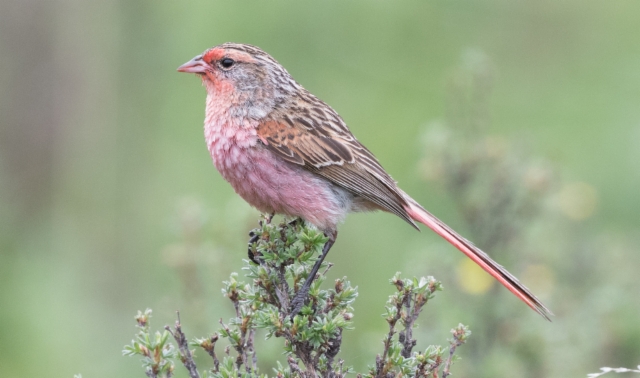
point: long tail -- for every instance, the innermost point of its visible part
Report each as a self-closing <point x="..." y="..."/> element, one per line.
<point x="416" y="212"/>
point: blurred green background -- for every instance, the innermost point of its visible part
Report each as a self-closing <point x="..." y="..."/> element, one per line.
<point x="109" y="202"/>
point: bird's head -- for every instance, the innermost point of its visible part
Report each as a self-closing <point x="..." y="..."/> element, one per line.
<point x="242" y="76"/>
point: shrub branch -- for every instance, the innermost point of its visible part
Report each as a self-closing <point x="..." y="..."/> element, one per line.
<point x="281" y="257"/>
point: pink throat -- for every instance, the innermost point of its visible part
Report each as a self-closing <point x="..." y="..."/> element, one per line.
<point x="227" y="137"/>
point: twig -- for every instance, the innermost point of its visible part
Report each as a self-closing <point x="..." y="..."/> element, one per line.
<point x="447" y="365"/>
<point x="424" y="368"/>
<point x="210" y="345"/>
<point x="460" y="334"/>
<point x="245" y="345"/>
<point x="333" y="349"/>
<point x="413" y="303"/>
<point x="185" y="354"/>
<point x="406" y="335"/>
<point x="239" y="346"/>
<point x="282" y="290"/>
<point x="329" y="265"/>
<point x="380" y="361"/>
<point x="341" y="370"/>
<point x="293" y="365"/>
<point x="252" y="350"/>
<point x="154" y="374"/>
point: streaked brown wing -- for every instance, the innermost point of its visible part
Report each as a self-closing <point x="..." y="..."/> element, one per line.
<point x="301" y="147"/>
<point x="338" y="157"/>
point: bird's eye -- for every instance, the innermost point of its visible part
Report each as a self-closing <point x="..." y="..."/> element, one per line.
<point x="227" y="62"/>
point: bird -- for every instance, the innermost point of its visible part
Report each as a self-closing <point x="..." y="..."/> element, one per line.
<point x="285" y="151"/>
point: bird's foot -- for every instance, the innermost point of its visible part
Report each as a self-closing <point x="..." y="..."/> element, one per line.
<point x="295" y="221"/>
<point x="299" y="300"/>
<point x="253" y="237"/>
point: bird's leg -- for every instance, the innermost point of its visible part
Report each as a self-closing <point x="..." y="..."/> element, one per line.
<point x="270" y="217"/>
<point x="302" y="294"/>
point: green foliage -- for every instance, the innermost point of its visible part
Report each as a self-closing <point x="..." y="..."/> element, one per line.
<point x="285" y="253"/>
<point x="155" y="349"/>
<point x="402" y="310"/>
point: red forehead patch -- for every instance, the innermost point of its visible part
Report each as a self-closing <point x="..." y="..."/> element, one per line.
<point x="213" y="54"/>
<point x="219" y="53"/>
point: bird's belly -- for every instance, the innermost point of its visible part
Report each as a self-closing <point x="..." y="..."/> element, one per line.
<point x="271" y="184"/>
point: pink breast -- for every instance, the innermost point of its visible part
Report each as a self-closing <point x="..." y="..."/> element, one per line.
<point x="269" y="183"/>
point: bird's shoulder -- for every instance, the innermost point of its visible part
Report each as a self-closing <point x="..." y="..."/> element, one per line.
<point x="307" y="131"/>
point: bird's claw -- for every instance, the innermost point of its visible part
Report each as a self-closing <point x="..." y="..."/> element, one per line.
<point x="298" y="301"/>
<point x="253" y="238"/>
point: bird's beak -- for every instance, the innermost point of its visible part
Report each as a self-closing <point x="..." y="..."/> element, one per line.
<point x="195" y="65"/>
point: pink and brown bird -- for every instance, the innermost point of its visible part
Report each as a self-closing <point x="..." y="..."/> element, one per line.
<point x="285" y="151"/>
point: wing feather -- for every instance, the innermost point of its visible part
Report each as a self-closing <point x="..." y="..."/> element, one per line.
<point x="335" y="154"/>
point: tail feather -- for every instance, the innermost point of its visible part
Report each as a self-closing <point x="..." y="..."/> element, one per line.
<point x="417" y="213"/>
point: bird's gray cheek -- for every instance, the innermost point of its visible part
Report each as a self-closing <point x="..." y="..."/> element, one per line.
<point x="246" y="83"/>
